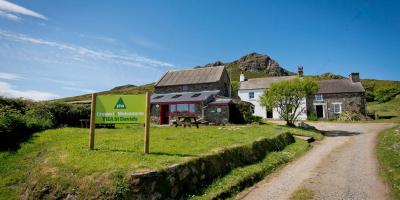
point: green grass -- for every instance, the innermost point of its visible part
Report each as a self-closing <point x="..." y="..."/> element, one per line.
<point x="242" y="177"/>
<point x="390" y="108"/>
<point x="60" y="157"/>
<point x="302" y="194"/>
<point x="388" y="151"/>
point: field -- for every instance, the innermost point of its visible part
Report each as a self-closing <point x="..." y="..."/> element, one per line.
<point x="59" y="159"/>
<point x="388" y="151"/>
<point x="390" y="110"/>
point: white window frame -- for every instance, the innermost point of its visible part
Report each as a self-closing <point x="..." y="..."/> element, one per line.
<point x="251" y="95"/>
<point x="319" y="95"/>
<point x="340" y="107"/>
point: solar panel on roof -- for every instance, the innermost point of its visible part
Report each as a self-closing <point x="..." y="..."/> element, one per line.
<point x="176" y="96"/>
<point x="158" y="97"/>
<point x="196" y="95"/>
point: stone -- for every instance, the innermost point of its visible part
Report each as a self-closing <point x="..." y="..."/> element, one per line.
<point x="70" y="197"/>
<point x="193" y="168"/>
<point x="203" y="166"/>
<point x="174" y="191"/>
<point x="156" y="196"/>
<point x="202" y="177"/>
<point x="171" y="180"/>
<point x="184" y="173"/>
<point x="153" y="186"/>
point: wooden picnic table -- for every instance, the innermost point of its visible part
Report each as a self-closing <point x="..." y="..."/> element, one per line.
<point x="186" y="121"/>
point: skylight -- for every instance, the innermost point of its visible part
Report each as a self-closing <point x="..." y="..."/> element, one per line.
<point x="196" y="95"/>
<point x="158" y="97"/>
<point x="176" y="96"/>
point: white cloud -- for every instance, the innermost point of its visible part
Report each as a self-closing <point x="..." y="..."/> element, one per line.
<point x="8" y="91"/>
<point x="9" y="76"/>
<point x="78" y="52"/>
<point x="9" y="7"/>
<point x="79" y="89"/>
<point x="9" y="16"/>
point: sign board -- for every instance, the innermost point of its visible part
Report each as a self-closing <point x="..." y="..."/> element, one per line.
<point x="120" y="109"/>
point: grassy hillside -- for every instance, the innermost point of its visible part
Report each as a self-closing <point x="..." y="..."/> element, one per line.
<point x="390" y="108"/>
<point x="127" y="89"/>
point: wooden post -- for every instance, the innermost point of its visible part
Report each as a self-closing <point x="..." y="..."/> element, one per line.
<point x="92" y="121"/>
<point x="147" y="124"/>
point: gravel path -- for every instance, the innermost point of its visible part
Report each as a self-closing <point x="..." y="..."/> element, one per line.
<point x="342" y="166"/>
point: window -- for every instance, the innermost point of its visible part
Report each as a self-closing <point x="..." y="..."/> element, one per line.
<point x="196" y="95"/>
<point x="182" y="107"/>
<point x="318" y="97"/>
<point x="185" y="88"/>
<point x="191" y="108"/>
<point x="172" y="108"/>
<point x="337" y="107"/>
<point x="158" y="97"/>
<point x="251" y="95"/>
<point x="176" y="96"/>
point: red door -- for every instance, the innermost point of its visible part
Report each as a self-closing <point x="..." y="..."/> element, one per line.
<point x="164" y="114"/>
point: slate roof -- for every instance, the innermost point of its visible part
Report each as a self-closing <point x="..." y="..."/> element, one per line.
<point x="182" y="96"/>
<point x="339" y="86"/>
<point x="192" y="76"/>
<point x="221" y="101"/>
<point x="261" y="83"/>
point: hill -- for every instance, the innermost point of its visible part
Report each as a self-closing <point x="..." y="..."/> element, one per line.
<point x="253" y="65"/>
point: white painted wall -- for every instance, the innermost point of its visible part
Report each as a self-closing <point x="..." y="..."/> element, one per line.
<point x="262" y="111"/>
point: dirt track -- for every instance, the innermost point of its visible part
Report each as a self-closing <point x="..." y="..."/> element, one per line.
<point x="342" y="166"/>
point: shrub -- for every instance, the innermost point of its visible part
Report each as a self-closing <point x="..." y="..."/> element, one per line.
<point x="67" y="114"/>
<point x="13" y="129"/>
<point x="312" y="116"/>
<point x="386" y="94"/>
<point x="38" y="117"/>
<point x="350" y="116"/>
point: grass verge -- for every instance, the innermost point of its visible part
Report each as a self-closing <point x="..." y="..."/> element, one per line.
<point x="388" y="152"/>
<point x="59" y="161"/>
<point x="302" y="194"/>
<point x="243" y="177"/>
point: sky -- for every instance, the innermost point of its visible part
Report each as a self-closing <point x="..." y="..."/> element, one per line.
<point x="53" y="49"/>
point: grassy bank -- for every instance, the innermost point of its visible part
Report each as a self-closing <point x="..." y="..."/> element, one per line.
<point x="390" y="108"/>
<point x="240" y="178"/>
<point x="58" y="160"/>
<point x="388" y="151"/>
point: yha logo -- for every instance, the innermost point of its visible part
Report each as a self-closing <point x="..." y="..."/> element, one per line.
<point x="120" y="104"/>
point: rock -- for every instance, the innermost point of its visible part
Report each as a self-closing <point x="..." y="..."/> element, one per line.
<point x="70" y="197"/>
<point x="203" y="166"/>
<point x="174" y="191"/>
<point x="171" y="180"/>
<point x="156" y="196"/>
<point x="153" y="186"/>
<point x="184" y="173"/>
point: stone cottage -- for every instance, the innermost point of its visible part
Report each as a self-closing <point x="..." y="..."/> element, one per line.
<point x="204" y="93"/>
<point x="338" y="95"/>
<point x="250" y="90"/>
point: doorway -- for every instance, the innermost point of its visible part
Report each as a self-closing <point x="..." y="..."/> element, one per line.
<point x="164" y="114"/>
<point x="320" y="111"/>
<point x="269" y="113"/>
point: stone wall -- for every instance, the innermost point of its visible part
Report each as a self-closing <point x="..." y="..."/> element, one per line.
<point x="218" y="114"/>
<point x="350" y="102"/>
<point x="180" y="180"/>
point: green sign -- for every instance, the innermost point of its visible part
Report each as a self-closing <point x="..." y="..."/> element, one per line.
<point x="120" y="109"/>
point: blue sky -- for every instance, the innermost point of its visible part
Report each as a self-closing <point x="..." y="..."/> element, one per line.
<point x="53" y="49"/>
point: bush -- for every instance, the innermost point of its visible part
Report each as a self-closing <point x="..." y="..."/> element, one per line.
<point x="312" y="116"/>
<point x="386" y="94"/>
<point x="13" y="129"/>
<point x="38" y="117"/>
<point x="350" y="116"/>
<point x="67" y="114"/>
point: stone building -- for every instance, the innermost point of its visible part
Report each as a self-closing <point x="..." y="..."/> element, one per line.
<point x="338" y="95"/>
<point x="204" y="93"/>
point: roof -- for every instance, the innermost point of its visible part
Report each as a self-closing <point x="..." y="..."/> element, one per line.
<point x="218" y="101"/>
<point x="261" y="83"/>
<point x="192" y="76"/>
<point x="339" y="86"/>
<point x="182" y="96"/>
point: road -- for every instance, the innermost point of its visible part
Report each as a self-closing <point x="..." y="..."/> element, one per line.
<point x="342" y="166"/>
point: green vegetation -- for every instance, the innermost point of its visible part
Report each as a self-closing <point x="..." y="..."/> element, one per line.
<point x="390" y="108"/>
<point x="20" y="118"/>
<point x="388" y="151"/>
<point x="287" y="96"/>
<point x="380" y="90"/>
<point x="242" y="177"/>
<point x="60" y="161"/>
<point x="302" y="194"/>
<point x="127" y="89"/>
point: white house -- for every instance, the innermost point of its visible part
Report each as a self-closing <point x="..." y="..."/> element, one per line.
<point x="250" y="90"/>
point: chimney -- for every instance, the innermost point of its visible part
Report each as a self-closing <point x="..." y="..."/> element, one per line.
<point x="300" y="71"/>
<point x="242" y="78"/>
<point x="354" y="77"/>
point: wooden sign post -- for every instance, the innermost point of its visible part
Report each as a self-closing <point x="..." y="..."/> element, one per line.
<point x="92" y="121"/>
<point x="147" y="125"/>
